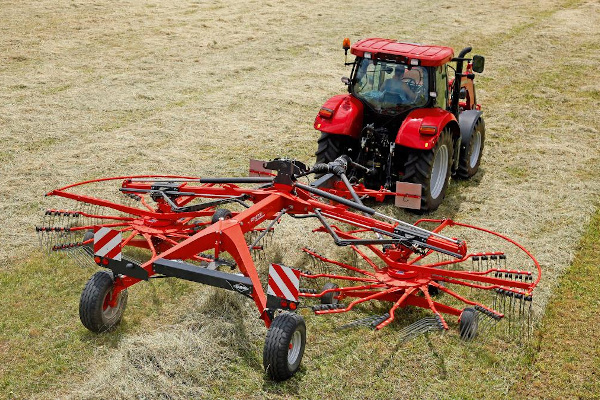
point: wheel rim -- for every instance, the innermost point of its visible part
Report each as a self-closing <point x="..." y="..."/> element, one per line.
<point x="109" y="312"/>
<point x="295" y="346"/>
<point x="439" y="171"/>
<point x="476" y="139"/>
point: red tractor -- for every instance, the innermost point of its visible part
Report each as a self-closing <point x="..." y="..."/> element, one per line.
<point x="404" y="119"/>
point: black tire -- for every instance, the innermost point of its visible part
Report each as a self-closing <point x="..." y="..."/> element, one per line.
<point x="471" y="152"/>
<point x="89" y="234"/>
<point x="284" y="346"/>
<point x="469" y="322"/>
<point x="329" y="298"/>
<point x="330" y="147"/>
<point x="421" y="167"/>
<point x="221" y="213"/>
<point x="94" y="312"/>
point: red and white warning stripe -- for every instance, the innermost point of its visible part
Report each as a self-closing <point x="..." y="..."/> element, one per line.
<point x="283" y="282"/>
<point x="107" y="243"/>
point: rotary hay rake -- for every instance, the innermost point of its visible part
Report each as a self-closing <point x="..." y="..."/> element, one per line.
<point x="176" y="220"/>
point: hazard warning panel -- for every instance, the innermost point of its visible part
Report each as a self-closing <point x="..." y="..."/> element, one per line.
<point x="107" y="243"/>
<point x="283" y="282"/>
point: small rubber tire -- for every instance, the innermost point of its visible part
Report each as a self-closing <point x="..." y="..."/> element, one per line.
<point x="221" y="213"/>
<point x="94" y="311"/>
<point x="284" y="346"/>
<point x="89" y="234"/>
<point x="432" y="169"/>
<point x="330" y="298"/>
<point x="469" y="322"/>
<point x="471" y="152"/>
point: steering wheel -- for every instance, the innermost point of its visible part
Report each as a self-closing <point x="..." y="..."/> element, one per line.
<point x="412" y="84"/>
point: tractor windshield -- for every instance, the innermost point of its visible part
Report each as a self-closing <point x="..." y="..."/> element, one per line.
<point x="390" y="88"/>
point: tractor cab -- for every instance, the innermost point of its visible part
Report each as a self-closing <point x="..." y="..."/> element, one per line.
<point x="389" y="87"/>
<point x="409" y="116"/>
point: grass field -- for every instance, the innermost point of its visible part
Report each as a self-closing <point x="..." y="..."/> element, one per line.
<point x="92" y="89"/>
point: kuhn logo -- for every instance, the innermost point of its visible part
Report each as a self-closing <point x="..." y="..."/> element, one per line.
<point x="241" y="288"/>
<point x="257" y="217"/>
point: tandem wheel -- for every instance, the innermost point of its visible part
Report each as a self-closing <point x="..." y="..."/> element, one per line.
<point x="95" y="311"/>
<point x="284" y="346"/>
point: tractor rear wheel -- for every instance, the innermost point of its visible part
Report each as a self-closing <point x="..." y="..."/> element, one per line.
<point x="470" y="153"/>
<point x="95" y="310"/>
<point x="284" y="346"/>
<point x="330" y="147"/>
<point x="432" y="170"/>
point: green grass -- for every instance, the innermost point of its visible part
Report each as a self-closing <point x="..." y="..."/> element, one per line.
<point x="44" y="345"/>
<point x="567" y="360"/>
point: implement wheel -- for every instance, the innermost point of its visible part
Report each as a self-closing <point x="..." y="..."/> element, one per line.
<point x="329" y="298"/>
<point x="221" y="213"/>
<point x="284" y="346"/>
<point x="95" y="312"/>
<point x="468" y="324"/>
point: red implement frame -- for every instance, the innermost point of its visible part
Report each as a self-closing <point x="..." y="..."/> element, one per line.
<point x="178" y="226"/>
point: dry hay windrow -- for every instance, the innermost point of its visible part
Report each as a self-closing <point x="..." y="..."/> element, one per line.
<point x="196" y="88"/>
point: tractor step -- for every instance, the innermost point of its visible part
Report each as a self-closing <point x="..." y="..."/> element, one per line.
<point x="191" y="272"/>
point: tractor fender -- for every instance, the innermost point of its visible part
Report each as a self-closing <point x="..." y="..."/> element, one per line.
<point x="409" y="134"/>
<point x="346" y="118"/>
<point x="467" y="120"/>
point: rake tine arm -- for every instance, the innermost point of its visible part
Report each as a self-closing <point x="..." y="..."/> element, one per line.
<point x="358" y="301"/>
<point x="425" y="291"/>
<point x="338" y="263"/>
<point x="145" y="204"/>
<point x="499" y="284"/>
<point x="331" y="276"/>
<point x="103" y="203"/>
<point x="537" y="264"/>
<point x="366" y="258"/>
<point x="464" y="300"/>
<point x="465" y="258"/>
<point x="342" y="290"/>
<point x="397" y="304"/>
<point x="54" y="212"/>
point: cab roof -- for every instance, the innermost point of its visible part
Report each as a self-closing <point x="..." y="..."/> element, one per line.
<point x="429" y="56"/>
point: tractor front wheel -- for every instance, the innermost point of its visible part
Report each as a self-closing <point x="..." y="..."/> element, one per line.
<point x="470" y="153"/>
<point x="284" y="346"/>
<point x="95" y="310"/>
<point x="432" y="170"/>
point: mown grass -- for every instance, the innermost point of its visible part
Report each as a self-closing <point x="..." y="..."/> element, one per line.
<point x="41" y="339"/>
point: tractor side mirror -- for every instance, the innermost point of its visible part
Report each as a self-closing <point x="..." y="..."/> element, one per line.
<point x="346" y="80"/>
<point x="478" y="63"/>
